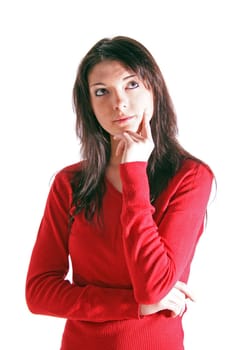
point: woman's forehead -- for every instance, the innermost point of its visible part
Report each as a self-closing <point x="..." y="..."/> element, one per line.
<point x="105" y="70"/>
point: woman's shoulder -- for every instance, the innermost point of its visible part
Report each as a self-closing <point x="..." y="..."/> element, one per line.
<point x="196" y="169"/>
<point x="193" y="174"/>
<point x="195" y="164"/>
<point x="66" y="173"/>
<point x="72" y="168"/>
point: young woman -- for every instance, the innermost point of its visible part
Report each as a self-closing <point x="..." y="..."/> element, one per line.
<point x="129" y="215"/>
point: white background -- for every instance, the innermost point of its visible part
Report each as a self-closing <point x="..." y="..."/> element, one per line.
<point x="41" y="45"/>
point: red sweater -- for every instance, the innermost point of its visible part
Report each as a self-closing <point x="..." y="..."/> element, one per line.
<point x="134" y="257"/>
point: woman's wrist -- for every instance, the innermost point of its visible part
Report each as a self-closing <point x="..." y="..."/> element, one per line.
<point x="148" y="309"/>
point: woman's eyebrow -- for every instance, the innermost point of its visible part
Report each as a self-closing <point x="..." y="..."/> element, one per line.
<point x="129" y="76"/>
<point x="94" y="84"/>
<point x="125" y="78"/>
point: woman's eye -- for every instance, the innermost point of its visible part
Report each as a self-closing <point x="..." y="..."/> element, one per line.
<point x="133" y="85"/>
<point x="100" y="92"/>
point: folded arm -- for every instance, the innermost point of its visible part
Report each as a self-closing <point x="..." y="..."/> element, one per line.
<point x="47" y="290"/>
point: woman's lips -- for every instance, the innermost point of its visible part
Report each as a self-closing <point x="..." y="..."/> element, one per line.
<point x="123" y="119"/>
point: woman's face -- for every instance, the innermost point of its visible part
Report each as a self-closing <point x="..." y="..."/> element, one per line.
<point x="118" y="97"/>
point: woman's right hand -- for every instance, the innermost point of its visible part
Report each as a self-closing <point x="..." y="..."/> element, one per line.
<point x="175" y="301"/>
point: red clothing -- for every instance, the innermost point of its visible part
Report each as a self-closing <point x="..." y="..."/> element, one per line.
<point x="133" y="256"/>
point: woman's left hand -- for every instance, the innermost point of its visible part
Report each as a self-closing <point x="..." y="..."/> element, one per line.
<point x="175" y="301"/>
<point x="136" y="146"/>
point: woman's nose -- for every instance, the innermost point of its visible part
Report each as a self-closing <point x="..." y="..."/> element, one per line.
<point x="119" y="101"/>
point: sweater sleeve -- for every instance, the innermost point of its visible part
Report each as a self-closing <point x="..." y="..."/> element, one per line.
<point x="48" y="291"/>
<point x="157" y="255"/>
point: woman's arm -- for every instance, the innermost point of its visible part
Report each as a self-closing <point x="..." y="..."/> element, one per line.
<point x="47" y="290"/>
<point x="158" y="255"/>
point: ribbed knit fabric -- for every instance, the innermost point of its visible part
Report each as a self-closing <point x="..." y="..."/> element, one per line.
<point x="134" y="255"/>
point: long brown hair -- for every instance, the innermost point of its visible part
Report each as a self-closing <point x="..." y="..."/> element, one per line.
<point x="88" y="183"/>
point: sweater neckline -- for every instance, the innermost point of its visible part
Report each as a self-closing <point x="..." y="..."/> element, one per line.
<point x="112" y="188"/>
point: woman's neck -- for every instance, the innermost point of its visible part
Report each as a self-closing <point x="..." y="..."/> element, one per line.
<point x="113" y="171"/>
<point x="115" y="160"/>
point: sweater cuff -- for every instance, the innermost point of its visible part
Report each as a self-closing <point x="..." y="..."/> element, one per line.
<point x="135" y="186"/>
